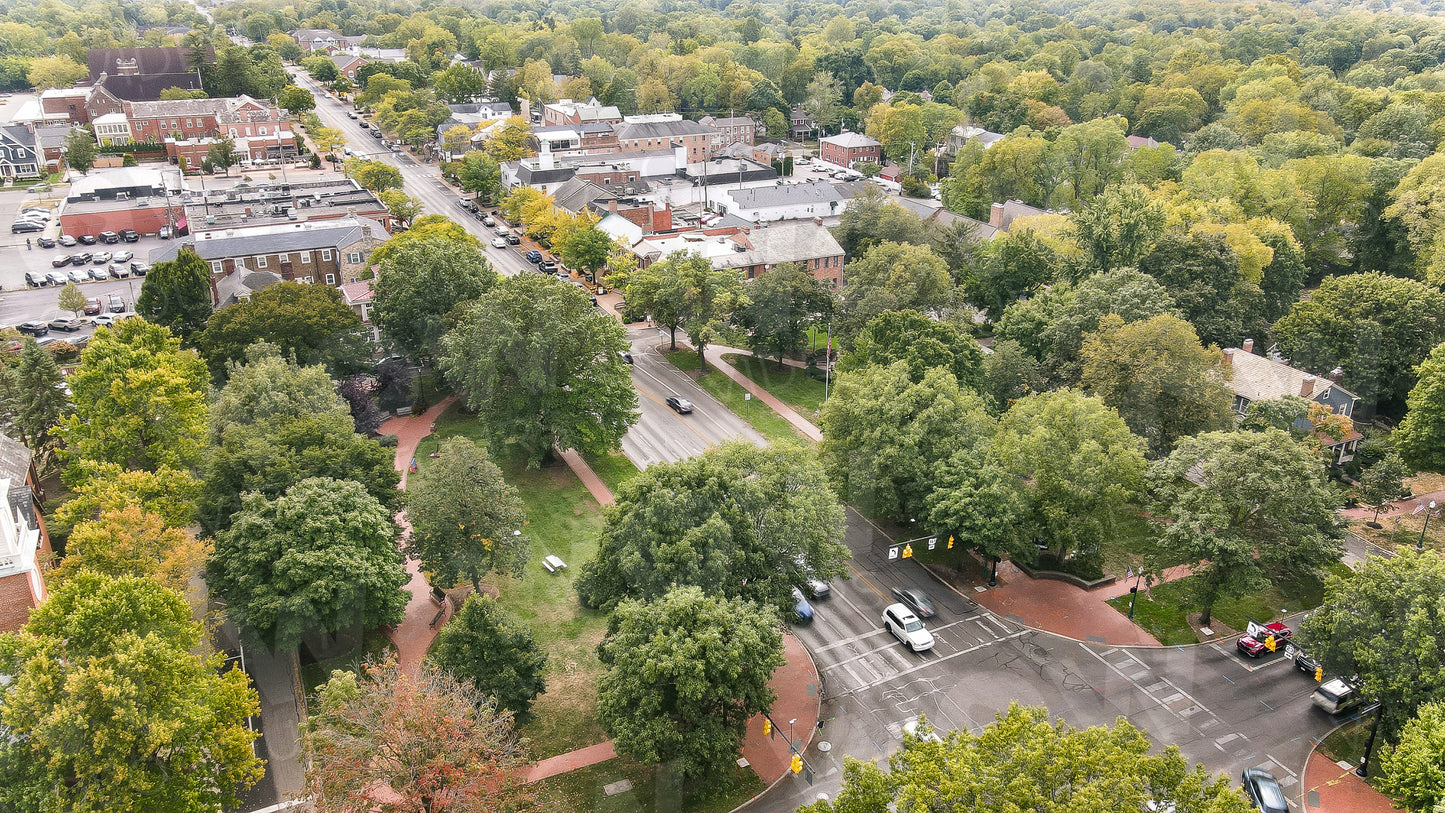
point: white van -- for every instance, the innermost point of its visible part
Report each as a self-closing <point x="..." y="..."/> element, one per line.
<point x="1335" y="696"/>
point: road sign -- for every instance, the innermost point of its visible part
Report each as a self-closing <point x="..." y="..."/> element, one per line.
<point x="932" y="542"/>
<point x="893" y="552"/>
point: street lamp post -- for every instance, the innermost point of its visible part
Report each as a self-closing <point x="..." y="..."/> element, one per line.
<point x="1134" y="592"/>
<point x="1420" y="545"/>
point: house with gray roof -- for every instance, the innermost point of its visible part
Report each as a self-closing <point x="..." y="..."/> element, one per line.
<point x="1261" y="378"/>
<point x="20" y="156"/>
<point x="754" y="250"/>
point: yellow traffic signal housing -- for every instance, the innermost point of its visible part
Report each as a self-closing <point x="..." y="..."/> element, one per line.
<point x="797" y="764"/>
<point x="1269" y="643"/>
<point x="950" y="543"/>
<point x="767" y="727"/>
<point x="1319" y="674"/>
<point x="907" y="551"/>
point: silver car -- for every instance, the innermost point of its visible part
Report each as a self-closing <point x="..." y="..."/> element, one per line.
<point x="77" y="275"/>
<point x="98" y="274"/>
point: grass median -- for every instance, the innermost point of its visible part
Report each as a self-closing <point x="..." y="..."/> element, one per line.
<point x="757" y="414"/>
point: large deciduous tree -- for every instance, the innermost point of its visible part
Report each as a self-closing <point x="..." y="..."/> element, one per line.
<point x="432" y="740"/>
<point x="488" y="647"/>
<point x="1420" y="437"/>
<point x="979" y="505"/>
<point x="884" y="436"/>
<point x="1413" y="771"/>
<point x="420" y="283"/>
<point x="1386" y="624"/>
<point x="781" y="305"/>
<point x="133" y="542"/>
<point x="139" y="401"/>
<point x="736" y="521"/>
<point x="1245" y="508"/>
<point x="1158" y="377"/>
<point x="309" y="322"/>
<point x="1202" y="274"/>
<point x="177" y="294"/>
<point x="1377" y="328"/>
<point x="685" y="291"/>
<point x="377" y="176"/>
<point x="542" y="368"/>
<point x="1021" y="761"/>
<point x="684" y="675"/>
<point x="921" y="342"/>
<point x="894" y="277"/>
<point x="108" y="708"/>
<point x="465" y="518"/>
<point x="322" y="558"/>
<point x="1118" y="227"/>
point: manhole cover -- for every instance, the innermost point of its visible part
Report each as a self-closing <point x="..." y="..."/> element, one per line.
<point x="825" y="746"/>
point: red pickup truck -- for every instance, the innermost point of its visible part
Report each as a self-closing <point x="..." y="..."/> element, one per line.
<point x="1254" y="641"/>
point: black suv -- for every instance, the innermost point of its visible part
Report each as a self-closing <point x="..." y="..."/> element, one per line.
<point x="33" y="328"/>
<point x="129" y="235"/>
<point x="109" y="237"/>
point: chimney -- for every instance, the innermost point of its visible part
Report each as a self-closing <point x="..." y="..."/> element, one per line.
<point x="1337" y="375"/>
<point x="995" y="216"/>
<point x="1228" y="356"/>
<point x="544" y="158"/>
<point x="817" y="221"/>
<point x="612" y="206"/>
<point x="1249" y="345"/>
<point x="1307" y="387"/>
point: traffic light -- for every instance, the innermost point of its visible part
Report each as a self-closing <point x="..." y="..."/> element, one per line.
<point x="797" y="764"/>
<point x="1319" y="674"/>
<point x="950" y="543"/>
<point x="907" y="551"/>
<point x="1269" y="643"/>
<point x="767" y="727"/>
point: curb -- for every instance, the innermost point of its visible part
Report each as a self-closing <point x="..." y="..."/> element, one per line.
<point x="811" y="734"/>
<point x="1314" y="750"/>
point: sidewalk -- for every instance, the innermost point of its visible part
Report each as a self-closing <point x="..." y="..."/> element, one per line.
<point x="714" y="355"/>
<point x="414" y="634"/>
<point x="1329" y="788"/>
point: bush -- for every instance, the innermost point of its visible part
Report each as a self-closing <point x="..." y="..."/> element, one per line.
<point x="387" y="441"/>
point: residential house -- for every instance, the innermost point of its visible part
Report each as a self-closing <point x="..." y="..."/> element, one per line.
<point x="754" y="250"/>
<point x="1002" y="215"/>
<point x="1140" y="142"/>
<point x="24" y="541"/>
<point x="565" y="111"/>
<point x="800" y="125"/>
<point x="731" y="130"/>
<point x="140" y="74"/>
<point x="847" y="149"/>
<point x="962" y="134"/>
<point x="592" y="138"/>
<point x="20" y="156"/>
<point x="940" y="216"/>
<point x="348" y="64"/>
<point x="50" y="138"/>
<point x="1260" y="378"/>
<point x="357" y="296"/>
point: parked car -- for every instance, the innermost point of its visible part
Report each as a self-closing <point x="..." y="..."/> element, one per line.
<point x="547" y="266"/>
<point x="376" y="134"/>
<point x="33" y="328"/>
<point x="67" y="240"/>
<point x="488" y="221"/>
<point x="80" y="259"/>
<point x="26" y="226"/>
<point x="499" y="242"/>
<point x="1305" y="662"/>
<point x="350" y="115"/>
<point x="139" y="268"/>
<point x="681" y="406"/>
<point x="129" y="235"/>
<point x="101" y="258"/>
<point x="802" y="610"/>
<point x="1255" y="641"/>
<point x="98" y="274"/>
<point x="502" y="231"/>
<point x="533" y="256"/>
<point x="87" y="239"/>
<point x="164" y="233"/>
<point x="61" y="261"/>
<point x="117" y="304"/>
<point x="119" y="270"/>
<point x="36" y="279"/>
<point x="103" y="320"/>
<point x="513" y="240"/>
<point x="124" y="256"/>
<point x="57" y="278"/>
<point x="45" y="242"/>
<point x="1336" y="696"/>
<point x="92" y="306"/>
<point x="77" y="276"/>
<point x="907" y="628"/>
<point x="109" y="237"/>
<point x="1264" y="791"/>
<point x="66" y="324"/>
<point x="917" y="601"/>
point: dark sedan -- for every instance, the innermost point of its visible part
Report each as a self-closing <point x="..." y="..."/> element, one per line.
<point x="87" y="239"/>
<point x="45" y="242"/>
<point x="681" y="406"/>
<point x="917" y="601"/>
<point x="61" y="261"/>
<point x="33" y="328"/>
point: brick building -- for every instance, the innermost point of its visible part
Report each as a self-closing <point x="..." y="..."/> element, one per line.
<point x="847" y="149"/>
<point x="731" y="130"/>
<point x="637" y="133"/>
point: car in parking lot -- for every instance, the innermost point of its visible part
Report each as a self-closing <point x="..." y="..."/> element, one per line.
<point x="45" y="242"/>
<point x="1256" y="639"/>
<point x="1263" y="791"/>
<point x="101" y="258"/>
<point x="907" y="628"/>
<point x="57" y="278"/>
<point x="80" y="259"/>
<point x="92" y="306"/>
<point x="164" y="233"/>
<point x="916" y="600"/>
<point x="499" y="242"/>
<point x="681" y="406"/>
<point x="25" y="226"/>
<point x="33" y="328"/>
<point x="87" y="239"/>
<point x="119" y="270"/>
<point x="139" y="268"/>
<point x="36" y="279"/>
<point x="98" y="274"/>
<point x="533" y="256"/>
<point x="103" y="320"/>
<point x="66" y="324"/>
<point x="129" y="235"/>
<point x="61" y="261"/>
<point x="109" y="237"/>
<point x="124" y="256"/>
<point x="67" y="240"/>
<point x="77" y="275"/>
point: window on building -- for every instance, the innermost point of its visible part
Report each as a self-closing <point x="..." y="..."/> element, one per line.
<point x="308" y="280"/>
<point x="330" y="279"/>
<point x="261" y="130"/>
<point x="325" y="255"/>
<point x="354" y="258"/>
<point x="233" y="132"/>
<point x="190" y="123"/>
<point x="305" y="256"/>
<point x="215" y="266"/>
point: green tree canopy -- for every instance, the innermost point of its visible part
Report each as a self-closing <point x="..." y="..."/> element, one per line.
<point x="894" y="277"/>
<point x="1158" y="377"/>
<point x="322" y="558"/>
<point x="1386" y="624"/>
<point x="871" y="218"/>
<point x="1411" y="772"/>
<point x="269" y="388"/>
<point x="466" y="520"/>
<point x="310" y="322"/>
<point x="480" y="173"/>
<point x="32" y="398"/>
<point x="980" y="506"/>
<point x="542" y="368"/>
<point x="885" y="437"/>
<point x="139" y="401"/>
<point x="1023" y="762"/>
<point x="1420" y="437"/>
<point x="177" y="294"/>
<point x="781" y="305"/>
<point x="585" y="249"/>
<point x="488" y="647"/>
<point x="295" y="100"/>
<point x="685" y="673"/>
<point x="109" y="709"/>
<point x="378" y="176"/>
<point x="921" y="342"/>
<point x="419" y="285"/>
<point x="1246" y="508"/>
<point x="1201" y="273"/>
<point x="736" y="521"/>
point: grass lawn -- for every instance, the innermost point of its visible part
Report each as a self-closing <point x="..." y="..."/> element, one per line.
<point x="769" y="424"/>
<point x="1347" y="743"/>
<point x="653" y="790"/>
<point x="1137" y="538"/>
<point x="1164" y="615"/>
<point x="562" y="519"/>
<point x="791" y="385"/>
<point x="614" y="468"/>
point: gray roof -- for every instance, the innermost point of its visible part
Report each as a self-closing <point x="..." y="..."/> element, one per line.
<point x="21" y="135"/>
<point x="218" y="245"/>
<point x="14" y="460"/>
<point x="1014" y="209"/>
<point x="789" y="241"/>
<point x="943" y="217"/>
<point x="847" y="140"/>
<point x="1259" y="378"/>
<point x="241" y="283"/>
<point x="575" y="195"/>
<point x="661" y="129"/>
<point x="767" y="197"/>
<point x="503" y="108"/>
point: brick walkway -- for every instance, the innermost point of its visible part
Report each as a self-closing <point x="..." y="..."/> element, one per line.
<point x="1329" y="788"/>
<point x="714" y="356"/>
<point x="414" y="634"/>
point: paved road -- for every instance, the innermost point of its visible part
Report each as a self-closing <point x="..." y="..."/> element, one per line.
<point x="422" y="181"/>
<point x="661" y="434"/>
<point x="1221" y="709"/>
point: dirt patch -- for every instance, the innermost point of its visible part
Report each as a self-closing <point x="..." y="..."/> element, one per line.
<point x="1425" y="482"/>
<point x="1220" y="629"/>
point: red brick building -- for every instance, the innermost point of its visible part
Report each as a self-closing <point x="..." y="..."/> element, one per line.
<point x="847" y="149"/>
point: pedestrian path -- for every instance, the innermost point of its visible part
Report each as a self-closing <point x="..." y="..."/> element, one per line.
<point x="1332" y="788"/>
<point x="714" y="355"/>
